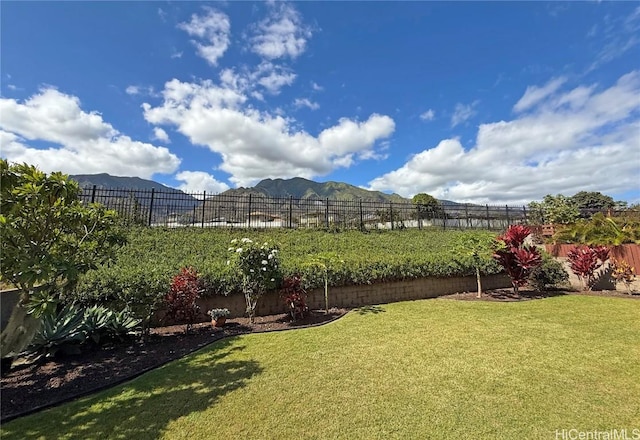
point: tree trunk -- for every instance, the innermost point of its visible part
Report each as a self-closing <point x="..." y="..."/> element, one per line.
<point x="19" y="332"/>
<point x="479" y="283"/>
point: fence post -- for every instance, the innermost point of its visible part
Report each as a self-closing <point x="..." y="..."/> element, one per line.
<point x="204" y="202"/>
<point x="391" y="214"/>
<point x="419" y="216"/>
<point x="466" y="214"/>
<point x="93" y="194"/>
<point x="153" y="191"/>
<point x="249" y="213"/>
<point x="290" y="212"/>
<point x="524" y="212"/>
<point x="326" y="213"/>
<point x="444" y="218"/>
<point x="361" y="217"/>
<point x="488" y="220"/>
<point x="507" y="214"/>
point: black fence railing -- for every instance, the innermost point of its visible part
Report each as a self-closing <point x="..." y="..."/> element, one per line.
<point x="178" y="209"/>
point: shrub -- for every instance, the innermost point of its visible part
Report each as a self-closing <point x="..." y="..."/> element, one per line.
<point x="623" y="272"/>
<point x="181" y="299"/>
<point x="258" y="264"/>
<point x="294" y="296"/>
<point x="517" y="259"/>
<point x="549" y="274"/>
<point x="584" y="261"/>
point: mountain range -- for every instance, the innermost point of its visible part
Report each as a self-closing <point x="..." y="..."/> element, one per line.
<point x="298" y="188"/>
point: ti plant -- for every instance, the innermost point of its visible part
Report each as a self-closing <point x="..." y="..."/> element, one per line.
<point x="584" y="261"/>
<point x="517" y="259"/>
<point x="181" y="299"/>
<point x="623" y="272"/>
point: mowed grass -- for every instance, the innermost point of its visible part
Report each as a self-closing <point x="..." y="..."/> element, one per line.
<point x="421" y="369"/>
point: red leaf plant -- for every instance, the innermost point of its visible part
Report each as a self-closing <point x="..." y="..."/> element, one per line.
<point x="517" y="259"/>
<point x="180" y="301"/>
<point x="293" y="294"/>
<point x="584" y="261"/>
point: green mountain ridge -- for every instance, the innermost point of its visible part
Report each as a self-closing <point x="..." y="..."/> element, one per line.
<point x="300" y="188"/>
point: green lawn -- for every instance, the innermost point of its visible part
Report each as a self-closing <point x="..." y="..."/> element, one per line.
<point x="422" y="369"/>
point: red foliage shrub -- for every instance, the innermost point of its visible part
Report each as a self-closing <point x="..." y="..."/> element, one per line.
<point x="180" y="301"/>
<point x="584" y="261"/>
<point x="293" y="294"/>
<point x="517" y="259"/>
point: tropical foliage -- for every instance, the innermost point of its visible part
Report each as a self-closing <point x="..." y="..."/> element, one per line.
<point x="48" y="240"/>
<point x="584" y="261"/>
<point x="517" y="258"/>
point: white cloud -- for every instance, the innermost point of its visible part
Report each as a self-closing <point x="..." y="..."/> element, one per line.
<point x="429" y="115"/>
<point x="141" y="90"/>
<point x="463" y="113"/>
<point x="619" y="35"/>
<point x="315" y="86"/>
<point x="272" y="78"/>
<point x="161" y="135"/>
<point x="199" y="181"/>
<point x="275" y="78"/>
<point x="255" y="145"/>
<point x="213" y="29"/>
<point x="582" y="139"/>
<point x="304" y="102"/>
<point x="280" y="35"/>
<point x="535" y="94"/>
<point x="83" y="142"/>
<point x="132" y="90"/>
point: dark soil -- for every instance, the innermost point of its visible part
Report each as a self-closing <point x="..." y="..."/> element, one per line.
<point x="30" y="386"/>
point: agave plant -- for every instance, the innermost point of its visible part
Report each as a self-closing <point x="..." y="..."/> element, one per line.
<point x="60" y="331"/>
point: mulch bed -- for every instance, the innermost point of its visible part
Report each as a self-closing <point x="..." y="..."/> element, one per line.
<point x="32" y="386"/>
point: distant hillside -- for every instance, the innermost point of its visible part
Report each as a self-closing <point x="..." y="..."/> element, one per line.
<point x="115" y="182"/>
<point x="300" y="188"/>
<point x="122" y="189"/>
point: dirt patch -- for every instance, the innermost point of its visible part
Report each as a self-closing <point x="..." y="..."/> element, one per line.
<point x="31" y="386"/>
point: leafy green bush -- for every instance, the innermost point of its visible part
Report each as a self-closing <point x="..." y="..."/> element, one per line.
<point x="548" y="275"/>
<point x="144" y="267"/>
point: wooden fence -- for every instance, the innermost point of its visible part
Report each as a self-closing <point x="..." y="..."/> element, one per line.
<point x="627" y="252"/>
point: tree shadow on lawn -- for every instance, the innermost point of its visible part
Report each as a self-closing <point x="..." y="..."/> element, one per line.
<point x="365" y="310"/>
<point x="145" y="407"/>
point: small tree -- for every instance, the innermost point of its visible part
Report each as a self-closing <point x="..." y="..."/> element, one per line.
<point x="48" y="240"/>
<point x="554" y="209"/>
<point x="588" y="202"/>
<point x="478" y="247"/>
<point x="326" y="262"/>
<point x="517" y="259"/>
<point x="427" y="206"/>
<point x="259" y="266"/>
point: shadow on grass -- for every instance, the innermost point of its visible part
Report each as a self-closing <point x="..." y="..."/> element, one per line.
<point x="365" y="310"/>
<point x="144" y="407"/>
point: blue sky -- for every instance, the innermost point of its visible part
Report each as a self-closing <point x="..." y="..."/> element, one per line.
<point x="475" y="102"/>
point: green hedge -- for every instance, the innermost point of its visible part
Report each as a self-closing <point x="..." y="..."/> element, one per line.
<point x="153" y="255"/>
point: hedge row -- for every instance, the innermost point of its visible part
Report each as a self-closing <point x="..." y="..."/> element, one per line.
<point x="153" y="255"/>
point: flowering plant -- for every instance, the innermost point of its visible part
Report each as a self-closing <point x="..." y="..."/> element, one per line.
<point x="259" y="266"/>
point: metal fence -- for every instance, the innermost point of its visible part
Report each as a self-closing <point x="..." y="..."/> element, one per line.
<point x="178" y="209"/>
